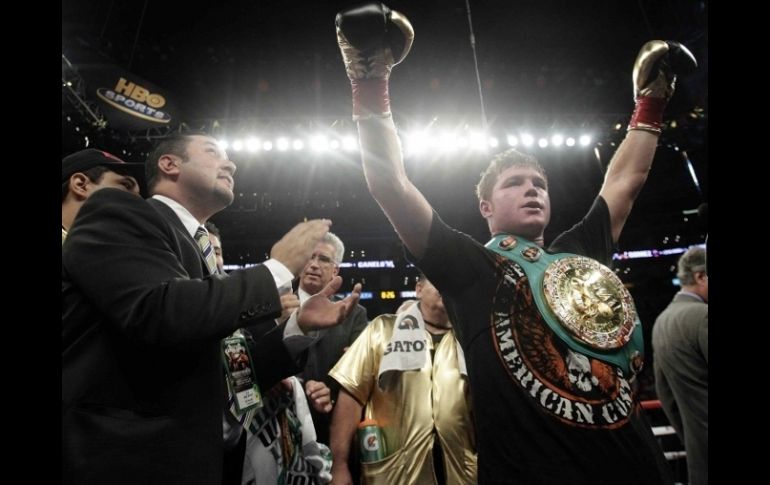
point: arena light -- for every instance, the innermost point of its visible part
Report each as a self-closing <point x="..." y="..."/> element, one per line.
<point x="430" y="137"/>
<point x="447" y="142"/>
<point x="319" y="143"/>
<point x="282" y="144"/>
<point x="223" y="144"/>
<point x="479" y="141"/>
<point x="417" y="142"/>
<point x="252" y="144"/>
<point x="349" y="143"/>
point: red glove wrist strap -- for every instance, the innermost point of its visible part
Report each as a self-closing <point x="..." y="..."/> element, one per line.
<point x="648" y="114"/>
<point x="370" y="98"/>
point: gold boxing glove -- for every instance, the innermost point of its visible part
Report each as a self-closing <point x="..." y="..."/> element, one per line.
<point x="372" y="39"/>
<point x="654" y="78"/>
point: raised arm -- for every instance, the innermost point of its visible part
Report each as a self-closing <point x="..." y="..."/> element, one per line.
<point x="654" y="77"/>
<point x="626" y="176"/>
<point x="372" y="39"/>
<point x="407" y="209"/>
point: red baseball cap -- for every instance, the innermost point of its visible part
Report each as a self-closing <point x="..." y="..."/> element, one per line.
<point x="90" y="158"/>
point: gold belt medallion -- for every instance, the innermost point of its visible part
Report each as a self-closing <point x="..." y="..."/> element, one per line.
<point x="590" y="301"/>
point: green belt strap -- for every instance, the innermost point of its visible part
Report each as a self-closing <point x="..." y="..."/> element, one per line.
<point x="535" y="270"/>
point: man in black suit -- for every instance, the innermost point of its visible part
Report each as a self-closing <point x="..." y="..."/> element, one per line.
<point x="322" y="267"/>
<point x="142" y="319"/>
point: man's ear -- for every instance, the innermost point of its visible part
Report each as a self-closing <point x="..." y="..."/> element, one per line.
<point x="78" y="185"/>
<point x="418" y="289"/>
<point x="485" y="207"/>
<point x="700" y="276"/>
<point x="169" y="164"/>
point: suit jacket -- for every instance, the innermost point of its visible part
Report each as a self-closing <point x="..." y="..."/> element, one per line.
<point x="680" y="361"/>
<point x="324" y="354"/>
<point x="142" y="374"/>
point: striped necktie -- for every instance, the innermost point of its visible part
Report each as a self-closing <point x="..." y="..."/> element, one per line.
<point x="202" y="238"/>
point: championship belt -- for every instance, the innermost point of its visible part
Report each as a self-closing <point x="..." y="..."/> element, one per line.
<point x="581" y="300"/>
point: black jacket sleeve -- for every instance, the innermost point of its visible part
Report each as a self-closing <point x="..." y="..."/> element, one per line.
<point x="145" y="277"/>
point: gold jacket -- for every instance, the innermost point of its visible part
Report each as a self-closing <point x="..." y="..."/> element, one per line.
<point x="412" y="404"/>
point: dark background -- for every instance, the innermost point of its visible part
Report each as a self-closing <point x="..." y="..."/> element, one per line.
<point x="273" y="67"/>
